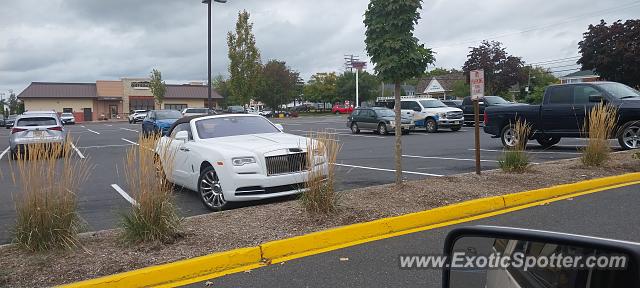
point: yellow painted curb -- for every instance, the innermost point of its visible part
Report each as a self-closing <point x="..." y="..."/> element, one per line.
<point x="217" y="264"/>
<point x="176" y="271"/>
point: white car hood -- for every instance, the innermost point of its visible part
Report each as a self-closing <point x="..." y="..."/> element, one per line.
<point x="444" y="109"/>
<point x="268" y="144"/>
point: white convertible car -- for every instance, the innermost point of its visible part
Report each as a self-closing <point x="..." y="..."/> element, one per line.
<point x="228" y="158"/>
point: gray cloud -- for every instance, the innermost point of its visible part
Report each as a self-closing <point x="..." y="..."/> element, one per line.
<point x="85" y="40"/>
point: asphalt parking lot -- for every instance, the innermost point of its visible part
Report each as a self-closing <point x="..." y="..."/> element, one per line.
<point x="366" y="159"/>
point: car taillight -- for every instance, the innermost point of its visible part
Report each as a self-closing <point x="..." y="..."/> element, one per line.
<point x="485" y="118"/>
<point x="57" y="128"/>
<point x="16" y="130"/>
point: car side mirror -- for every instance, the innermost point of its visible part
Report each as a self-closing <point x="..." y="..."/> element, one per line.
<point x="182" y="136"/>
<point x="596" y="98"/>
<point x="280" y="127"/>
<point x="417" y="109"/>
<point x="487" y="256"/>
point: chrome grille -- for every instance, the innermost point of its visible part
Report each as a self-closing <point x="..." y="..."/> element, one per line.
<point x="289" y="163"/>
<point x="454" y="115"/>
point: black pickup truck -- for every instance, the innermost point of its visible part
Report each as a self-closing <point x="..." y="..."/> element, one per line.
<point x="563" y="112"/>
<point x="487" y="101"/>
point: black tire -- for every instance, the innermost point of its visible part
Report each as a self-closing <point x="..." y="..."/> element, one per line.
<point x="354" y="128"/>
<point x="548" y="141"/>
<point x="431" y="125"/>
<point x="216" y="202"/>
<point x="456" y="128"/>
<point x="629" y="135"/>
<point x="337" y="113"/>
<point x="130" y="121"/>
<point x="406" y="131"/>
<point x="382" y="129"/>
<point x="507" y="136"/>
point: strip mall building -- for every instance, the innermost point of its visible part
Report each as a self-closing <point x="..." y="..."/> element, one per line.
<point x="107" y="99"/>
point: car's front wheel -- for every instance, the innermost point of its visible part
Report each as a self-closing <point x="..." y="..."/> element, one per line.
<point x="382" y="129"/>
<point x="354" y="128"/>
<point x="629" y="136"/>
<point x="431" y="125"/>
<point x="210" y="190"/>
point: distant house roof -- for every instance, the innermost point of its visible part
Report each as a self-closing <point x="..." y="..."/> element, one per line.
<point x="581" y="74"/>
<point x="444" y="81"/>
<point x="190" y="91"/>
<point x="59" y="90"/>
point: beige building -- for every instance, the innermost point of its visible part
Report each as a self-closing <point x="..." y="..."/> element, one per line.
<point x="111" y="99"/>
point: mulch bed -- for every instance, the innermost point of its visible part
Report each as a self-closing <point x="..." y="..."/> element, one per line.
<point x="103" y="253"/>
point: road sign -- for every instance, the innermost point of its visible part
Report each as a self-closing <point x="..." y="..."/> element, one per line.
<point x="476" y="79"/>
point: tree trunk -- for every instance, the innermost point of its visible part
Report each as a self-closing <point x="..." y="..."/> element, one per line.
<point x="396" y="108"/>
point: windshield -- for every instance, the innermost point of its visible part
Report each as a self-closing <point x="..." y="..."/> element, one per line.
<point x="161" y="115"/>
<point x="432" y="103"/>
<point x="233" y="126"/>
<point x="495" y="100"/>
<point x="385" y="113"/>
<point x="620" y="90"/>
<point x="67" y="114"/>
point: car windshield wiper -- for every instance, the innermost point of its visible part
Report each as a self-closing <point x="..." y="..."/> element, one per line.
<point x="631" y="96"/>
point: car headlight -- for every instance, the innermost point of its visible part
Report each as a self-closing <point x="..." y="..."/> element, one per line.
<point x="392" y="123"/>
<point x="239" y="161"/>
<point x="443" y="115"/>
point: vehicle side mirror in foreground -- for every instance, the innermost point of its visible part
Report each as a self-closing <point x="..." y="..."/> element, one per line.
<point x="280" y="127"/>
<point x="596" y="98"/>
<point x="182" y="136"/>
<point x="486" y="256"/>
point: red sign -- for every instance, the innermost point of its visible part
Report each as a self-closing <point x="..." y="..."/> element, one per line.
<point x="476" y="80"/>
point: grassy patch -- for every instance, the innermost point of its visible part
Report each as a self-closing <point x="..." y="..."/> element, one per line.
<point x="154" y="218"/>
<point x="320" y="196"/>
<point x="516" y="159"/>
<point x="600" y="127"/>
<point x="46" y="208"/>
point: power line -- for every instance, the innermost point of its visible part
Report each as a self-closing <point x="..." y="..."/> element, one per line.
<point x="555" y="60"/>
<point x="545" y="26"/>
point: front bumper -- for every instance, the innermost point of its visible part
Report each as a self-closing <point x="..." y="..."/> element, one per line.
<point x="450" y="122"/>
<point x="68" y="121"/>
<point x="250" y="187"/>
<point x="403" y="127"/>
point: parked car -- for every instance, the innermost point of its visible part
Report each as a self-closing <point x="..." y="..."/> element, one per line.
<point x="266" y="113"/>
<point x="240" y="157"/>
<point x="453" y="103"/>
<point x="68" y="118"/>
<point x="197" y="112"/>
<point x="159" y="121"/>
<point x="8" y="123"/>
<point x="486" y="101"/>
<point x="378" y="119"/>
<point x="564" y="112"/>
<point x="431" y="114"/>
<point x="136" y="116"/>
<point x="236" y="110"/>
<point x="302" y="108"/>
<point x="2" y="121"/>
<point x="35" y="128"/>
<point x="341" y="109"/>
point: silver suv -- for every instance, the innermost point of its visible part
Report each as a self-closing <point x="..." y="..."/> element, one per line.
<point x="35" y="128"/>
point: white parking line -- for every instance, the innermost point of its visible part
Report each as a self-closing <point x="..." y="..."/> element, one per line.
<point x="93" y="131"/>
<point x="124" y="194"/>
<point x="105" y="146"/>
<point x="77" y="151"/>
<point x="129" y="141"/>
<point x="446" y="158"/>
<point x="109" y="125"/>
<point x="129" y="130"/>
<point x="387" y="170"/>
<point x="532" y="152"/>
<point x="4" y="152"/>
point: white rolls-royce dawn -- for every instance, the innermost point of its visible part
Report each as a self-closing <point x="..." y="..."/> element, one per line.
<point x="239" y="157"/>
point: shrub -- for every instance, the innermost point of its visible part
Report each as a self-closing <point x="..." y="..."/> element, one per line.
<point x="320" y="196"/>
<point x="46" y="209"/>
<point x="516" y="159"/>
<point x="153" y="217"/>
<point x="599" y="127"/>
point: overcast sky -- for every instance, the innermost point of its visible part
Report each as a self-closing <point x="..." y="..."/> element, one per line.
<point x="85" y="40"/>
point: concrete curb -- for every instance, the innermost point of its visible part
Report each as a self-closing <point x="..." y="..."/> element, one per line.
<point x="217" y="263"/>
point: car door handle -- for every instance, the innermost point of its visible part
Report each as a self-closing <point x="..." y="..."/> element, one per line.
<point x="185" y="149"/>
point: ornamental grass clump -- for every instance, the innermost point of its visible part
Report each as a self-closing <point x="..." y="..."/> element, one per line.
<point x="49" y="177"/>
<point x="320" y="196"/>
<point x="516" y="159"/>
<point x="152" y="217"/>
<point x="600" y="126"/>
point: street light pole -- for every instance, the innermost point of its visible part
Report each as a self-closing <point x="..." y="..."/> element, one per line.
<point x="208" y="2"/>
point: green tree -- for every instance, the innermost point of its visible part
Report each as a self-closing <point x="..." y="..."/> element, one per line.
<point x="15" y="105"/>
<point x="501" y="70"/>
<point x="322" y="87"/>
<point x="395" y="51"/>
<point x="461" y="88"/>
<point x="540" y="79"/>
<point x="244" y="61"/>
<point x="221" y="85"/>
<point x="278" y="84"/>
<point x="368" y="86"/>
<point x="157" y="86"/>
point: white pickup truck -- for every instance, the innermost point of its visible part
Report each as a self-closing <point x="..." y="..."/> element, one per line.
<point x="429" y="113"/>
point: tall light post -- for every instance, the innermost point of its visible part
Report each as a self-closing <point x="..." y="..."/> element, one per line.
<point x="208" y="2"/>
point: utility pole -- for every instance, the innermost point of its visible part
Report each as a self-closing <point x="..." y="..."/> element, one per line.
<point x="208" y="2"/>
<point x="351" y="62"/>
